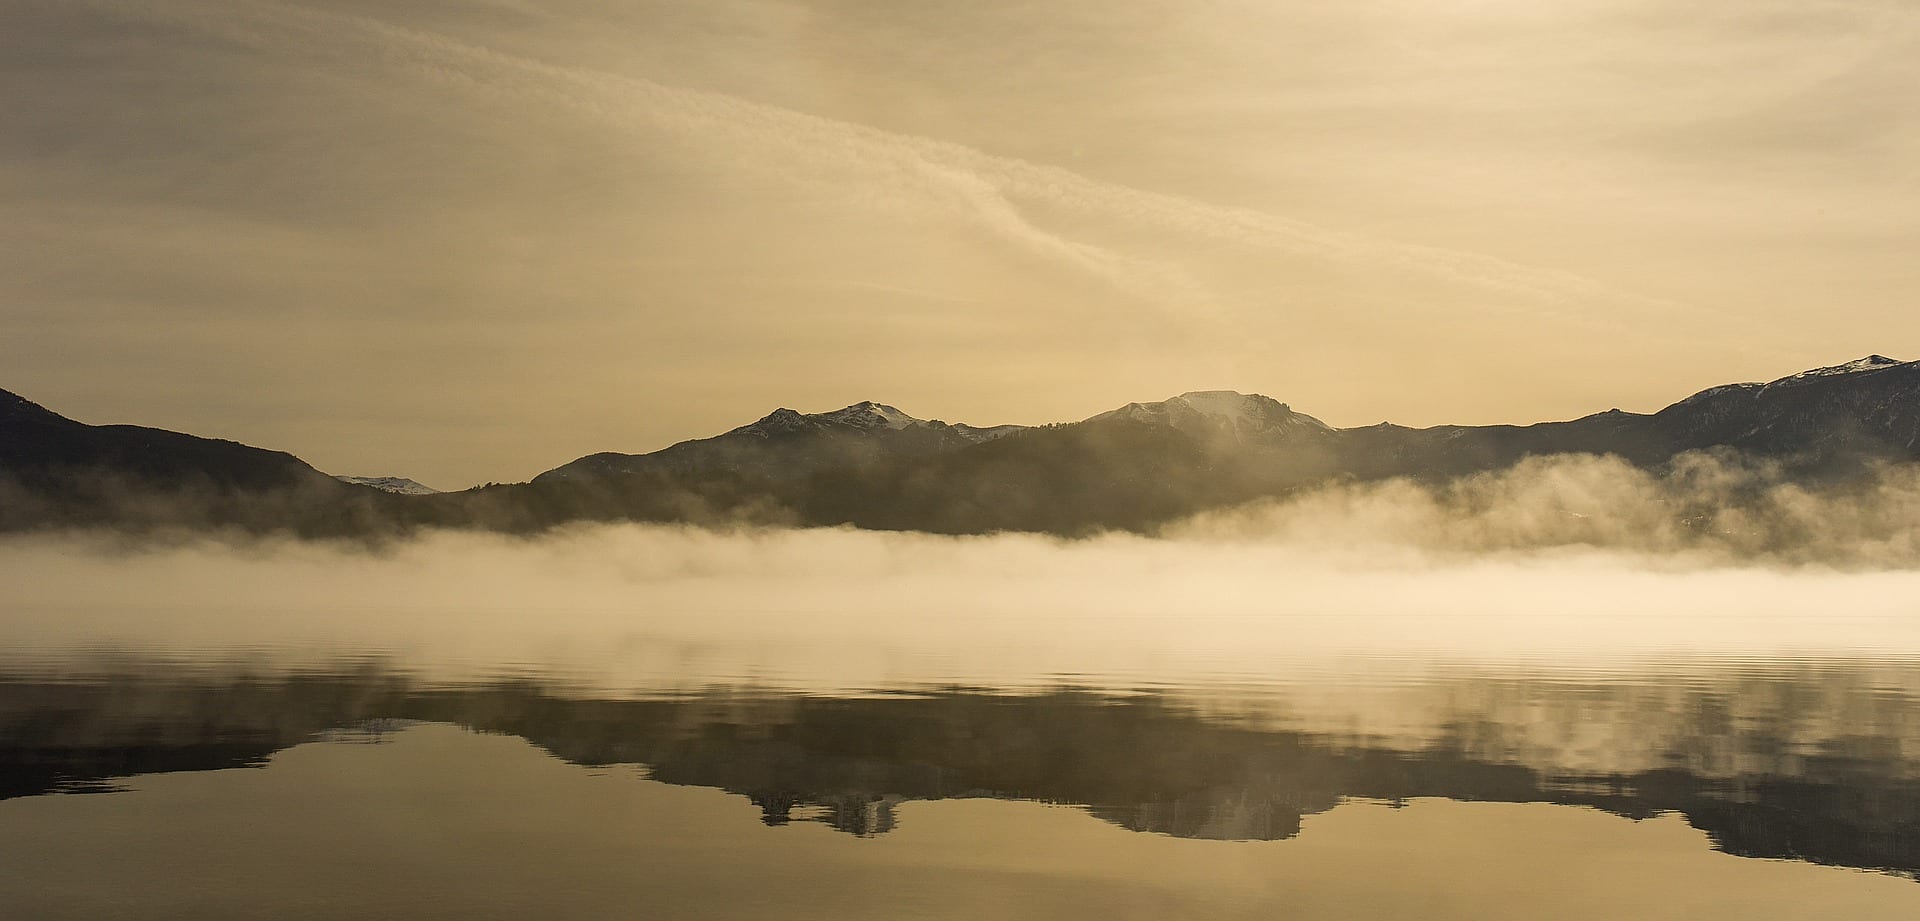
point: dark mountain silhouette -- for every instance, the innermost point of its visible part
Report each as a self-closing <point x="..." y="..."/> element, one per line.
<point x="870" y="465"/>
<point x="1143" y="762"/>
<point x="41" y="444"/>
<point x="55" y="471"/>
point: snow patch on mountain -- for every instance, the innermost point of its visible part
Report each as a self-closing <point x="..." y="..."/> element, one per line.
<point x="776" y="422"/>
<point x="1215" y="412"/>
<point x="1856" y="366"/>
<point x="1722" y="390"/>
<point x="866" y="416"/>
<point x="394" y="484"/>
<point x="869" y="415"/>
<point x="977" y="434"/>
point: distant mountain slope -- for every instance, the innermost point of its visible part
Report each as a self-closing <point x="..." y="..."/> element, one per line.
<point x="54" y="470"/>
<point x="1145" y="464"/>
<point x="787" y="443"/>
<point x="1842" y="415"/>
<point x="1872" y="404"/>
<point x="36" y="443"/>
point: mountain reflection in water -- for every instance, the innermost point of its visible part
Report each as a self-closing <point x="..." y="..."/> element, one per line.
<point x="1813" y="761"/>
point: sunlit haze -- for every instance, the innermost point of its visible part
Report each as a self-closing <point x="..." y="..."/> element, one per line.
<point x="468" y="241"/>
<point x="1136" y="460"/>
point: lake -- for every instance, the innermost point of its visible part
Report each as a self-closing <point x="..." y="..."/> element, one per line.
<point x="847" y="726"/>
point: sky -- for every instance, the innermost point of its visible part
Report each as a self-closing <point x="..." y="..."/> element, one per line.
<point x="470" y="240"/>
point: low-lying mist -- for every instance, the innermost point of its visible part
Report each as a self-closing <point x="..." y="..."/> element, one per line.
<point x="1552" y="560"/>
<point x="1701" y="510"/>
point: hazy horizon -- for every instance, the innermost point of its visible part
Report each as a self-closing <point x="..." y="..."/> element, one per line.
<point x="468" y="241"/>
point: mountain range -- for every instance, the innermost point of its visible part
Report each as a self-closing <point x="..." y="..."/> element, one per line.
<point x="871" y="465"/>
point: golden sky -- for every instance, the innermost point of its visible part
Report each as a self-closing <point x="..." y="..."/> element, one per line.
<point x="469" y="240"/>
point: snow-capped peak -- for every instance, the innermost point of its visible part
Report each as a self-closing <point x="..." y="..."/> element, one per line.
<point x="1869" y="363"/>
<point x="780" y="420"/>
<point x="1234" y="407"/>
<point x="392" y="484"/>
<point x="1220" y="411"/>
<point x="868" y="414"/>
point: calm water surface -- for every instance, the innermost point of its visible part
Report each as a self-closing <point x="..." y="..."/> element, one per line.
<point x="806" y="770"/>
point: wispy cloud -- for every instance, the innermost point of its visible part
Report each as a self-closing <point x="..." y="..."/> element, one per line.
<point x="996" y="194"/>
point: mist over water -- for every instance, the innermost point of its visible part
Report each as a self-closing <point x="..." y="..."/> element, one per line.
<point x="1703" y="510"/>
<point x="1579" y="558"/>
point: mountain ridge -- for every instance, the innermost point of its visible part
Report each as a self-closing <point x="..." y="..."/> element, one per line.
<point x="872" y="465"/>
<point x="787" y="442"/>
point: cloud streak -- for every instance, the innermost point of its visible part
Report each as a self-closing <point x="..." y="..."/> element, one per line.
<point x="994" y="193"/>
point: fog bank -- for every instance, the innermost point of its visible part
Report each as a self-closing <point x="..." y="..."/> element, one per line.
<point x="1702" y="510"/>
<point x="1495" y="569"/>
